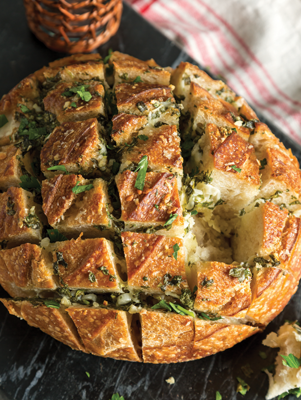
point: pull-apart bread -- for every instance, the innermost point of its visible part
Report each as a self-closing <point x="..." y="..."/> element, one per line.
<point x="146" y="214"/>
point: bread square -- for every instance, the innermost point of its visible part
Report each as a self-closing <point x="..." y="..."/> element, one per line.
<point x="106" y="332"/>
<point x="89" y="264"/>
<point x="223" y="289"/>
<point x="78" y="146"/>
<point x="155" y="205"/>
<point x="128" y="68"/>
<point x="162" y="147"/>
<point x="73" y="213"/>
<point x="155" y="263"/>
<point x="126" y="126"/>
<point x="10" y="166"/>
<point x="69" y="106"/>
<point x="19" y="217"/>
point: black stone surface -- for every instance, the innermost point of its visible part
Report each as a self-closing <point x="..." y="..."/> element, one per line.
<point x="33" y="366"/>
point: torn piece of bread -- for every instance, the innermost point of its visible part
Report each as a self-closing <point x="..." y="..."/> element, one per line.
<point x="126" y="127"/>
<point x="89" y="264"/>
<point x="128" y="68"/>
<point x="67" y="105"/>
<point x="229" y="164"/>
<point x="83" y="211"/>
<point x="154" y="263"/>
<point x="155" y="205"/>
<point x="210" y="338"/>
<point x="152" y="100"/>
<point x="162" y="147"/>
<point x="285" y="378"/>
<point x="55" y="322"/>
<point x="106" y="332"/>
<point x="19" y="217"/>
<point x="166" y="337"/>
<point x="10" y="166"/>
<point x="26" y="267"/>
<point x="221" y="288"/>
<point x="78" y="146"/>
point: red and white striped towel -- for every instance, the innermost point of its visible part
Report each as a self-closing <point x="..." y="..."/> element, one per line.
<point x="255" y="45"/>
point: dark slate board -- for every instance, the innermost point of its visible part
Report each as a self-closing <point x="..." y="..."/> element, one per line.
<point x="33" y="366"/>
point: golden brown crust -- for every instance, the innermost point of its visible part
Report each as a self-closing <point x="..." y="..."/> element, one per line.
<point x="150" y="257"/>
<point x="58" y="196"/>
<point x="10" y="170"/>
<point x="126" y="126"/>
<point x="284" y="168"/>
<point x="55" y="322"/>
<point x="230" y="150"/>
<point x="213" y="338"/>
<point x="127" y="68"/>
<point x="72" y="144"/>
<point x="162" y="148"/>
<point x="13" y="307"/>
<point x="12" y="213"/>
<point x="84" y="257"/>
<point x="274" y="290"/>
<point x="290" y="249"/>
<point x="25" y="267"/>
<point x="160" y="189"/>
<point x="129" y="95"/>
<point x="166" y="337"/>
<point x="274" y="222"/>
<point x="218" y="291"/>
<point x="104" y="332"/>
<point x="60" y="105"/>
<point x="77" y="72"/>
<point x="74" y="59"/>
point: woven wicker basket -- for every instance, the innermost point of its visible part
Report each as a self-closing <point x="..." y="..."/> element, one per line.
<point x="73" y="26"/>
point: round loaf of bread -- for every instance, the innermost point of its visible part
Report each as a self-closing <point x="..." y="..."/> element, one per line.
<point x="146" y="214"/>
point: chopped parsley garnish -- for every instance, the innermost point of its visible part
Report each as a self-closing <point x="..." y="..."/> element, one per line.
<point x="92" y="277"/>
<point x="205" y="176"/>
<point x="194" y="212"/>
<point x="105" y="271"/>
<point x="79" y="189"/>
<point x="187" y="298"/>
<point x="264" y="263"/>
<point x="209" y="317"/>
<point x="32" y="131"/>
<point x="242" y="386"/>
<point x="52" y="304"/>
<point x="143" y="137"/>
<point x="23" y="108"/>
<point x="161" y="304"/>
<point x="296" y="392"/>
<point x="145" y="278"/>
<point x="117" y="397"/>
<point x="3" y="120"/>
<point x="168" y="279"/>
<point x="218" y="396"/>
<point x="291" y="361"/>
<point x="263" y="163"/>
<point x="181" y="310"/>
<point x="10" y="207"/>
<point x="57" y="168"/>
<point x="60" y="259"/>
<point x="207" y="282"/>
<point x="30" y="183"/>
<point x="106" y="59"/>
<point x="73" y="104"/>
<point x="156" y="206"/>
<point x="88" y="375"/>
<point x="142" y="168"/>
<point x="176" y="248"/>
<point x="81" y="91"/>
<point x="242" y="273"/>
<point x="242" y="212"/>
<point x="141" y="106"/>
<point x="137" y="79"/>
<point x="235" y="168"/>
<point x="171" y="219"/>
<point x="55" y="236"/>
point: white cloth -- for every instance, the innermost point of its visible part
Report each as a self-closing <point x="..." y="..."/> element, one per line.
<point x="255" y="45"/>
